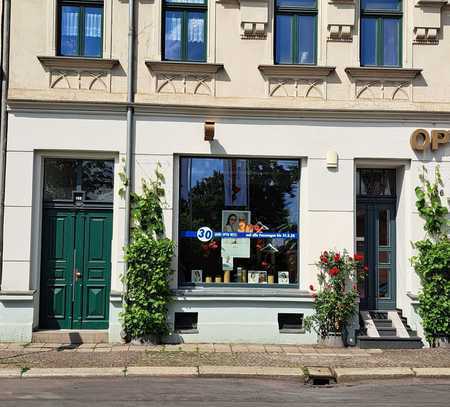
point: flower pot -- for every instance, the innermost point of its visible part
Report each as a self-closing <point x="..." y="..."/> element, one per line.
<point x="443" y="342"/>
<point x="333" y="340"/>
<point x="147" y="340"/>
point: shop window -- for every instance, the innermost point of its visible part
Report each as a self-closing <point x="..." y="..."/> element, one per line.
<point x="93" y="178"/>
<point x="376" y="182"/>
<point x="80" y="30"/>
<point x="381" y="32"/>
<point x="290" y="323"/>
<point x="186" y="321"/>
<point x="184" y="33"/>
<point x="238" y="222"/>
<point x="295" y="31"/>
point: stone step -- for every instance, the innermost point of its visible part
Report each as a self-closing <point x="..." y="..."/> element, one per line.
<point x="387" y="331"/>
<point x="389" y="342"/>
<point x="382" y="323"/>
<point x="70" y="336"/>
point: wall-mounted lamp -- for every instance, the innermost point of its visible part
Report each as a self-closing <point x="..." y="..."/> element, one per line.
<point x="209" y="130"/>
<point x="332" y="159"/>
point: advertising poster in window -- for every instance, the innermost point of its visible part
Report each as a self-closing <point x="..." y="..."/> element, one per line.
<point x="235" y="222"/>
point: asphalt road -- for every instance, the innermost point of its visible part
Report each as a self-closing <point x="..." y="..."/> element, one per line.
<point x="216" y="392"/>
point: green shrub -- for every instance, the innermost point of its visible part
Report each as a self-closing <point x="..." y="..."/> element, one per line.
<point x="432" y="261"/>
<point x="148" y="258"/>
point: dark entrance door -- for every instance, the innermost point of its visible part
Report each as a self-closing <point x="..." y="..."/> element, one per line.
<point x="76" y="244"/>
<point x="375" y="237"/>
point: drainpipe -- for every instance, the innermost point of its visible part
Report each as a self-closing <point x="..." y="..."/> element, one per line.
<point x="3" y="119"/>
<point x="130" y="119"/>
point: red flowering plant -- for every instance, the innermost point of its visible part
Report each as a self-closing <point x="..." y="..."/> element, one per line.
<point x="335" y="298"/>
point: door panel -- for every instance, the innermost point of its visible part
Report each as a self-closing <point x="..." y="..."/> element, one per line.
<point x="97" y="268"/>
<point x="375" y="240"/>
<point x="76" y="269"/>
<point x="56" y="272"/>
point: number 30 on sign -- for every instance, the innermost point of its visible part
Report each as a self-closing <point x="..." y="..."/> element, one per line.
<point x="205" y="234"/>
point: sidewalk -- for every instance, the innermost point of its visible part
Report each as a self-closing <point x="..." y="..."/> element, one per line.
<point x="219" y="359"/>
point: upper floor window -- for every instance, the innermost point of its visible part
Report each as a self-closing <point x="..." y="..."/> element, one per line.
<point x="381" y="32"/>
<point x="184" y="33"/>
<point x="295" y="31"/>
<point x="80" y="28"/>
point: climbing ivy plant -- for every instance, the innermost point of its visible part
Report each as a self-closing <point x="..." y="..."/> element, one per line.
<point x="148" y="257"/>
<point x="432" y="261"/>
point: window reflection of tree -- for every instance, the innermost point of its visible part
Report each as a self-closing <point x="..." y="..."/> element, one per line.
<point x="273" y="185"/>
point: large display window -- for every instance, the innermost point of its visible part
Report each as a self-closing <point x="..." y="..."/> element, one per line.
<point x="238" y="222"/>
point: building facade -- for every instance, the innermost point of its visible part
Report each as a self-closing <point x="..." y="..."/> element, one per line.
<point x="296" y="126"/>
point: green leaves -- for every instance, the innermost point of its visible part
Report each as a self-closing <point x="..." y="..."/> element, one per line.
<point x="149" y="257"/>
<point x="432" y="261"/>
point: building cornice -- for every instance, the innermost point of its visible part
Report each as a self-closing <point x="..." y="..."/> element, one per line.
<point x="304" y="71"/>
<point x="58" y="62"/>
<point x="382" y="73"/>
<point x="418" y="114"/>
<point x="183" y="67"/>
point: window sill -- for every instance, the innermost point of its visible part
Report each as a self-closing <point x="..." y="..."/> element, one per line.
<point x="183" y="67"/>
<point x="307" y="71"/>
<point x="237" y="292"/>
<point x="59" y="62"/>
<point x="382" y="73"/>
<point x="292" y="331"/>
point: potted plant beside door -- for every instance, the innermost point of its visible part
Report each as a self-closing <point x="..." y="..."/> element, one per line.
<point x="335" y="298"/>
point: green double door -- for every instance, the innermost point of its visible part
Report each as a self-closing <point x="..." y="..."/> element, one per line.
<point x="76" y="268"/>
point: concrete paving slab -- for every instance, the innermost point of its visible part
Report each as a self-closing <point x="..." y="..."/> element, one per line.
<point x="205" y="347"/>
<point x="222" y="348"/>
<point x="343" y="375"/>
<point x="273" y="349"/>
<point x="290" y="349"/>
<point x="5" y="373"/>
<point x="189" y="347"/>
<point x="434" y="372"/>
<point x="239" y="348"/>
<point x="120" y="348"/>
<point x="256" y="348"/>
<point x="162" y="371"/>
<point x="75" y="372"/>
<point x="172" y="348"/>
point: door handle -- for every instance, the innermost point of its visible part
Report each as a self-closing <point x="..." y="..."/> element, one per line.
<point x="77" y="274"/>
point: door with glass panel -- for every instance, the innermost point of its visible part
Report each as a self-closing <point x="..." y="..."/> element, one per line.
<point x="375" y="237"/>
<point x="76" y="244"/>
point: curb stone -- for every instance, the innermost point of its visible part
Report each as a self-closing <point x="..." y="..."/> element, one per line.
<point x="345" y="375"/>
<point x="220" y="371"/>
<point x="10" y="373"/>
<point x="75" y="372"/>
<point x="435" y="372"/>
<point x="162" y="371"/>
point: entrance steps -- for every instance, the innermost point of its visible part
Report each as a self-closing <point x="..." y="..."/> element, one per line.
<point x="69" y="336"/>
<point x="386" y="330"/>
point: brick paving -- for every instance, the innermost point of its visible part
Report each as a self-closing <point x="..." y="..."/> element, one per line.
<point x="288" y="356"/>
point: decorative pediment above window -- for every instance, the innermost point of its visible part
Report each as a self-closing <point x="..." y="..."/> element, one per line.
<point x="427" y="21"/>
<point x="341" y="20"/>
<point x="254" y="18"/>
<point x="298" y="81"/>
<point x="191" y="78"/>
<point x="79" y="73"/>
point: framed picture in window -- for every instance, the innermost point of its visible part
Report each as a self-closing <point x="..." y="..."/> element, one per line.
<point x="196" y="276"/>
<point x="235" y="222"/>
<point x="283" y="277"/>
<point x="257" y="277"/>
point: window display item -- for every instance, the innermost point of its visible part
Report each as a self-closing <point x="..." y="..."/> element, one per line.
<point x="208" y="280"/>
<point x="271" y="279"/>
<point x="283" y="277"/>
<point x="226" y="276"/>
<point x="257" y="277"/>
<point x="235" y="222"/>
<point x="196" y="276"/>
<point x="218" y="279"/>
<point x="227" y="263"/>
<point x="241" y="275"/>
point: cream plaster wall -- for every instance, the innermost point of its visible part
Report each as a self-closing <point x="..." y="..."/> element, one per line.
<point x="240" y="83"/>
